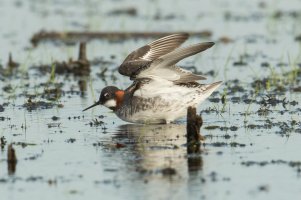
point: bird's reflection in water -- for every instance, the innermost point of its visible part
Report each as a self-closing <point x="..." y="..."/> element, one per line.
<point x="158" y="147"/>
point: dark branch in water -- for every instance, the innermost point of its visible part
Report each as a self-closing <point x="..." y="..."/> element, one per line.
<point x="194" y="123"/>
<point x="73" y="37"/>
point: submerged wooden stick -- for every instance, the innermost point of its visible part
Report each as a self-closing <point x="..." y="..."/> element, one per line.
<point x="74" y="36"/>
<point x="194" y="123"/>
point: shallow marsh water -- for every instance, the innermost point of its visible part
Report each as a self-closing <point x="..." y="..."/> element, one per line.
<point x="253" y="140"/>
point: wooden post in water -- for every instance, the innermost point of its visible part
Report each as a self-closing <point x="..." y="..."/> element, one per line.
<point x="11" y="160"/>
<point x="83" y="63"/>
<point x="82" y="51"/>
<point x="194" y="123"/>
<point x="11" y="63"/>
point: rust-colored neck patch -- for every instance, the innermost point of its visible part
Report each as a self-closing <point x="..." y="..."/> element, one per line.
<point x="119" y="97"/>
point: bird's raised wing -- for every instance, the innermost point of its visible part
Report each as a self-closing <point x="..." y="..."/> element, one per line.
<point x="174" y="57"/>
<point x="145" y="55"/>
<point x="164" y="66"/>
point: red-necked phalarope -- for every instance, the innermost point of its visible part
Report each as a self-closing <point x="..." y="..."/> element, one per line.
<point x="161" y="91"/>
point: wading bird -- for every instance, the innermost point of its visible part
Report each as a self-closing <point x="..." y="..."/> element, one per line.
<point x="161" y="91"/>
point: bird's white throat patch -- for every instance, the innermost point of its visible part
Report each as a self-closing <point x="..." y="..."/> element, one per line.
<point x="110" y="103"/>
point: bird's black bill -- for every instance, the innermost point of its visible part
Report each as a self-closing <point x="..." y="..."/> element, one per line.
<point x="96" y="104"/>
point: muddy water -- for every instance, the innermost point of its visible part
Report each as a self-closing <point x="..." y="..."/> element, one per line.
<point x="253" y="138"/>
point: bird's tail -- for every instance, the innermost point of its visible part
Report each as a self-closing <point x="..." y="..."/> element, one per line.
<point x="208" y="89"/>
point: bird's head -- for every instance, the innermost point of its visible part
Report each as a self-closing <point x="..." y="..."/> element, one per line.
<point x="108" y="98"/>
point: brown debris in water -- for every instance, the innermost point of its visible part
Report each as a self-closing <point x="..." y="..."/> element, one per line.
<point x="120" y="145"/>
<point x="168" y="171"/>
<point x="82" y="85"/>
<point x="296" y="89"/>
<point x="11" y="160"/>
<point x="2" y="142"/>
<point x="131" y="11"/>
<point x="225" y="39"/>
<point x="194" y="123"/>
<point x="52" y="94"/>
<point x="34" y="105"/>
<point x="73" y="36"/>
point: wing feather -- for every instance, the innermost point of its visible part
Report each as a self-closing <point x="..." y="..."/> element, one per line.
<point x="151" y="52"/>
<point x="174" y="57"/>
<point x="165" y="67"/>
<point x="158" y="59"/>
<point x="158" y="47"/>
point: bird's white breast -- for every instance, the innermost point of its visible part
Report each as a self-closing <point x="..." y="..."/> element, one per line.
<point x="110" y="103"/>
